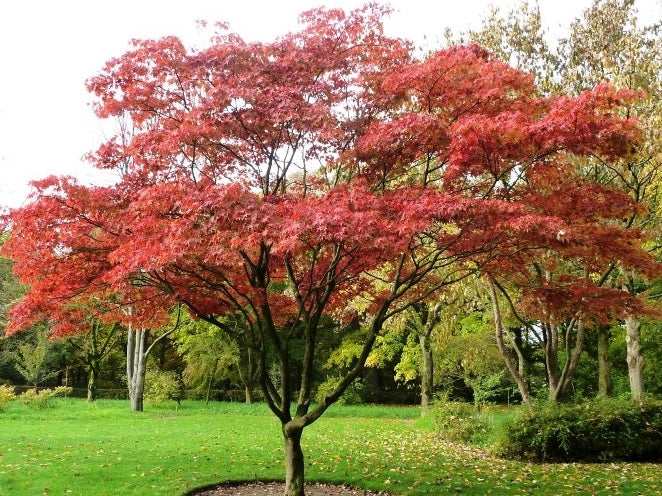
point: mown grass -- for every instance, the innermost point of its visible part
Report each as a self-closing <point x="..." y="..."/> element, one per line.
<point x="103" y="449"/>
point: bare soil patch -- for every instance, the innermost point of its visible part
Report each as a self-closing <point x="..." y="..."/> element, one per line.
<point x="276" y="489"/>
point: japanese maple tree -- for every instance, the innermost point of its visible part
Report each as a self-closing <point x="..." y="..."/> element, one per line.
<point x="328" y="176"/>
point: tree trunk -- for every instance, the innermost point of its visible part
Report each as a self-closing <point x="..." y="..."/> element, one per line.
<point x="635" y="359"/>
<point x="499" y="331"/>
<point x="136" y="358"/>
<point x="551" y="355"/>
<point x="208" y="389"/>
<point x="605" y="388"/>
<point x="93" y="374"/>
<point x="562" y="381"/>
<point x="247" y="369"/>
<point x="294" y="466"/>
<point x="427" y="373"/>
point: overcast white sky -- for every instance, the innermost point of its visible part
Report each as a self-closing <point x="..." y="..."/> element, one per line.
<point x="49" y="48"/>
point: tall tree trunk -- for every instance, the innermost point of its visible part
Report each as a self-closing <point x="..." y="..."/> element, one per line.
<point x="635" y="359"/>
<point x="551" y="354"/>
<point x="208" y="389"/>
<point x="427" y="373"/>
<point x="93" y="374"/>
<point x="605" y="387"/>
<point x="515" y="371"/>
<point x="294" y="464"/>
<point x="211" y="379"/>
<point x="136" y="366"/>
<point x="247" y="374"/>
<point x="560" y="379"/>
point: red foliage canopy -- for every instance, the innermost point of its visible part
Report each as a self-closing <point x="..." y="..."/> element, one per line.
<point x="285" y="180"/>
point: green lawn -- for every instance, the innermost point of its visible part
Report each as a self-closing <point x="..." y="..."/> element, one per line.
<point x="103" y="449"/>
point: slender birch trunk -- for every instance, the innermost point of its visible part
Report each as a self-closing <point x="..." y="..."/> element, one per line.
<point x="136" y="366"/>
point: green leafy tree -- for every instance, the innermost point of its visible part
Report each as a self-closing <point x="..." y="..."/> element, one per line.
<point x="35" y="361"/>
<point x="470" y="357"/>
<point x="10" y="292"/>
<point x="211" y="356"/>
<point x="92" y="348"/>
<point x="162" y="386"/>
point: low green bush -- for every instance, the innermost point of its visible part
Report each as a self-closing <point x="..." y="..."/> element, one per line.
<point x="6" y="395"/>
<point x="161" y="386"/>
<point x="63" y="391"/>
<point x="351" y="396"/>
<point x="43" y="398"/>
<point x="594" y="431"/>
<point x="38" y="399"/>
<point x="460" y="422"/>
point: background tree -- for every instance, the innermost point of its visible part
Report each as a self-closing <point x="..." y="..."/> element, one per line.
<point x="422" y="322"/>
<point x="469" y="360"/>
<point x="138" y="347"/>
<point x="605" y="44"/>
<point x="212" y="357"/>
<point x="422" y="332"/>
<point x="36" y="361"/>
<point x="92" y="348"/>
<point x="10" y="292"/>
<point x="10" y="289"/>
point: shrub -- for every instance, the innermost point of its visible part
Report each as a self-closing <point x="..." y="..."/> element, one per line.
<point x="161" y="386"/>
<point x="38" y="399"/>
<point x="63" y="391"/>
<point x="6" y="395"/>
<point x="594" y="431"/>
<point x="351" y="396"/>
<point x="460" y="422"/>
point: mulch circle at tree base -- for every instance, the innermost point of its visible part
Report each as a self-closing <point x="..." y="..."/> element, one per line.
<point x="276" y="489"/>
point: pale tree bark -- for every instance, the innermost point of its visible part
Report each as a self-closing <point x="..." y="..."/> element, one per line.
<point x="136" y="360"/>
<point x="605" y="387"/>
<point x="92" y="375"/>
<point x="560" y="379"/>
<point x="136" y="366"/>
<point x="516" y="371"/>
<point x="635" y="359"/>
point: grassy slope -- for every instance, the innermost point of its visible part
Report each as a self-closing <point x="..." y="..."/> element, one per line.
<point x="103" y="449"/>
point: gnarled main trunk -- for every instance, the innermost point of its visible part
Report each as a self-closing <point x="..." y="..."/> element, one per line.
<point x="294" y="466"/>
